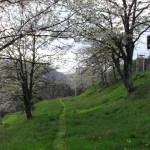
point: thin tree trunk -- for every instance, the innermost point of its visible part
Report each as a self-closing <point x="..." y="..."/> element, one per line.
<point x="116" y="62"/>
<point x="1" y="116"/>
<point x="102" y="78"/>
<point x="118" y="67"/>
<point x="114" y="73"/>
<point x="105" y="79"/>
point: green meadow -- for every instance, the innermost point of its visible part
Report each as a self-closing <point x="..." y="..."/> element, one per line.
<point x="99" y="119"/>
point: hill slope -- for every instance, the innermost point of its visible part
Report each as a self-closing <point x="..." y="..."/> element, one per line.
<point x="99" y="119"/>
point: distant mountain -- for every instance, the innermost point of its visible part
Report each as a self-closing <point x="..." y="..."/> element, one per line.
<point x="54" y="74"/>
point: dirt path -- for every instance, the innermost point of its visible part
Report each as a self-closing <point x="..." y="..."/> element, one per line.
<point x="59" y="143"/>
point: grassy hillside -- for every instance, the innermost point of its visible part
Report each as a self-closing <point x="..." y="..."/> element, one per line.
<point x="17" y="133"/>
<point x="99" y="119"/>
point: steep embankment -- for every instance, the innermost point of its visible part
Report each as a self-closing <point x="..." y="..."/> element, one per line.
<point x="99" y="119"/>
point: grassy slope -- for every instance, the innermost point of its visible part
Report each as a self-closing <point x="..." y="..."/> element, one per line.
<point x="37" y="134"/>
<point x="110" y="119"/>
<point x="99" y="119"/>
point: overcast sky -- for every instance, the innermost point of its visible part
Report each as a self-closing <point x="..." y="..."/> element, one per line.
<point x="141" y="47"/>
<point x="70" y="61"/>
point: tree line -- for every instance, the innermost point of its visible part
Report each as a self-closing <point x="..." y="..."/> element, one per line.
<point x="109" y="28"/>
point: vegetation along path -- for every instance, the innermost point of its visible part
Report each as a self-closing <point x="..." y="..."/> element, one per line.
<point x="59" y="143"/>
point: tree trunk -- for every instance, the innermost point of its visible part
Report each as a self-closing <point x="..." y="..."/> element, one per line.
<point x="27" y="103"/>
<point x="1" y="117"/>
<point x="28" y="111"/>
<point x="128" y="76"/>
<point x="114" y="73"/>
<point x="116" y="62"/>
<point x="102" y="77"/>
<point x="105" y="79"/>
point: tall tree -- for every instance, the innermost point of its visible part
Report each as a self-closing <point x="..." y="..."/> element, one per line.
<point x="23" y="66"/>
<point x="29" y="26"/>
<point x="116" y="24"/>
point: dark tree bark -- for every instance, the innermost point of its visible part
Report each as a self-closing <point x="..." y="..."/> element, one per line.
<point x="1" y="116"/>
<point x="128" y="77"/>
<point x="28" y="111"/>
<point x="27" y="99"/>
<point x="114" y="72"/>
<point x="128" y="72"/>
<point x="104" y="78"/>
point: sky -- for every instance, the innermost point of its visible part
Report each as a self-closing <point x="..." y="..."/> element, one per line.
<point x="141" y="47"/>
<point x="68" y="62"/>
<point x="70" y="59"/>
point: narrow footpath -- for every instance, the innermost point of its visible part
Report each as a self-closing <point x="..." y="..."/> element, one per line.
<point x="59" y="143"/>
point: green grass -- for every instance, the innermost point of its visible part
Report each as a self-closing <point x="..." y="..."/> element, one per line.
<point x="99" y="119"/>
<point x="17" y="133"/>
<point x="110" y="119"/>
<point x="59" y="143"/>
